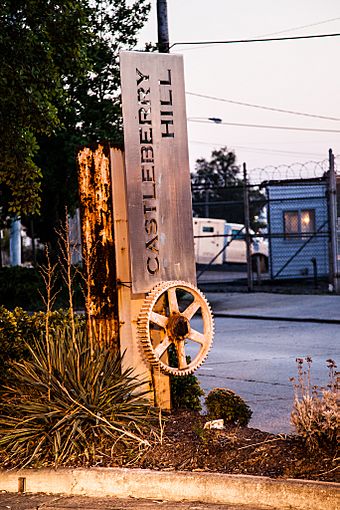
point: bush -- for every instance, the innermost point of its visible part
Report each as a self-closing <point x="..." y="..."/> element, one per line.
<point x="18" y="329"/>
<point x="224" y="404"/>
<point x="70" y="404"/>
<point x="23" y="286"/>
<point x="185" y="390"/>
<point x="315" y="415"/>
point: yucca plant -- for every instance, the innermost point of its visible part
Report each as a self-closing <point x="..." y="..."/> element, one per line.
<point x="71" y="404"/>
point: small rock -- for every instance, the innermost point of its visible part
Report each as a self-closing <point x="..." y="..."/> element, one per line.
<point x="214" y="424"/>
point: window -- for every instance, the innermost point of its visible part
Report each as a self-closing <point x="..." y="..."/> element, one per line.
<point x="208" y="229"/>
<point x="238" y="234"/>
<point x="298" y="224"/>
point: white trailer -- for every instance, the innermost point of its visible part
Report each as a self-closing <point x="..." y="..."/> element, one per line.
<point x="209" y="239"/>
<point x="212" y="235"/>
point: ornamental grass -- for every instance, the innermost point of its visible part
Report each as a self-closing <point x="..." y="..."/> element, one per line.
<point x="72" y="403"/>
<point x="316" y="414"/>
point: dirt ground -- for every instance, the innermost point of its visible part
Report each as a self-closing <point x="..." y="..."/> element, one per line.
<point x="238" y="450"/>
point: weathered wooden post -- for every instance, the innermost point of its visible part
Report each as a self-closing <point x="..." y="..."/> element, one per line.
<point x="148" y="266"/>
<point x="95" y="191"/>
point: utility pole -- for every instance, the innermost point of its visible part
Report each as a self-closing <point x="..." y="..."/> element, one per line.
<point x="333" y="258"/>
<point x="247" y="228"/>
<point x="162" y="24"/>
<point x="15" y="242"/>
<point x="206" y="204"/>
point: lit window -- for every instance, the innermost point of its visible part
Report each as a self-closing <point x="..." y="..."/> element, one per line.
<point x="296" y="224"/>
<point x="291" y="224"/>
<point x="307" y="221"/>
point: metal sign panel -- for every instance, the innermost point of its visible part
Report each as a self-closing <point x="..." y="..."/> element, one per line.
<point x="157" y="169"/>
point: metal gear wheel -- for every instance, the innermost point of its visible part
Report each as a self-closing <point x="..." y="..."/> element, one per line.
<point x="168" y="322"/>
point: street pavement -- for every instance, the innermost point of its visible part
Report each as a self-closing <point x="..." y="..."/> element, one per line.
<point x="258" y="337"/>
<point x="285" y="306"/>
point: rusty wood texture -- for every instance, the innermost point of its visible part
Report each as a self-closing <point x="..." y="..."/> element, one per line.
<point x="95" y="192"/>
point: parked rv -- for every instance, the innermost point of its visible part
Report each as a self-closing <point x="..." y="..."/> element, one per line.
<point x="218" y="242"/>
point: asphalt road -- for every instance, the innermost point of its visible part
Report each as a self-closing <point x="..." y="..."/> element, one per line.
<point x="256" y="359"/>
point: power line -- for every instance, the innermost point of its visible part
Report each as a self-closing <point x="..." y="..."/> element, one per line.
<point x="300" y="27"/>
<point x="271" y="39"/>
<point x="256" y="149"/>
<point x="288" y="30"/>
<point x="262" y="107"/>
<point x="288" y="128"/>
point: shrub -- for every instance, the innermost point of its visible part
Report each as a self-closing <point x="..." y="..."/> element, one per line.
<point x="70" y="404"/>
<point x="315" y="414"/>
<point x="18" y="329"/>
<point x="20" y="286"/>
<point x="224" y="404"/>
<point x="185" y="390"/>
<point x="23" y="287"/>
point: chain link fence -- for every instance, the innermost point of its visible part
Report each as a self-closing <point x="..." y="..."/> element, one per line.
<point x="291" y="239"/>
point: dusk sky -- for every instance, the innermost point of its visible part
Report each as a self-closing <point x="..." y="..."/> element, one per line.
<point x="301" y="76"/>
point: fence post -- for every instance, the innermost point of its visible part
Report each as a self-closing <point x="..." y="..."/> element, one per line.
<point x="247" y="228"/>
<point x="332" y="208"/>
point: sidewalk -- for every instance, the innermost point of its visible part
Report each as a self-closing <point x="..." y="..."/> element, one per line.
<point x="263" y="305"/>
<point x="11" y="501"/>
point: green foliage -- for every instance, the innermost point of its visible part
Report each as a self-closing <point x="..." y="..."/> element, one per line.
<point x="219" y="182"/>
<point x="224" y="404"/>
<point x="23" y="287"/>
<point x="93" y="112"/>
<point x="185" y="390"/>
<point x="71" y="403"/>
<point x="18" y="329"/>
<point x="59" y="89"/>
<point x="41" y="47"/>
<point x="20" y="286"/>
<point x="315" y="414"/>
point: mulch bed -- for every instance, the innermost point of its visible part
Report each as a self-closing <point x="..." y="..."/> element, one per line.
<point x="185" y="445"/>
<point x="236" y="450"/>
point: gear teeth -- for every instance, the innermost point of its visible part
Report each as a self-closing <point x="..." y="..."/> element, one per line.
<point x="143" y="326"/>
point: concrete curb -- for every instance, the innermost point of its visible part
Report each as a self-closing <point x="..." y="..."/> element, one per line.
<point x="176" y="486"/>
<point x="227" y="315"/>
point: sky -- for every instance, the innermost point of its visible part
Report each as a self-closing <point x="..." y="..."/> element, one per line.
<point x="301" y="76"/>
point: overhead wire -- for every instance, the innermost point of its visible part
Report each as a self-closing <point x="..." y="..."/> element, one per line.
<point x="262" y="107"/>
<point x="266" y="39"/>
<point x="300" y="27"/>
<point x="263" y="126"/>
<point x="277" y="33"/>
<point x="257" y="149"/>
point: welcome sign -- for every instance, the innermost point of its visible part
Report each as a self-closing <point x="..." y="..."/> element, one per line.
<point x="157" y="169"/>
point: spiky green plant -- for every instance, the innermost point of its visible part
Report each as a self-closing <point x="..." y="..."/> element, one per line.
<point x="71" y="405"/>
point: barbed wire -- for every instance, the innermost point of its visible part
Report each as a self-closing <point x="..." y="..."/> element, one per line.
<point x="298" y="170"/>
<point x="292" y="171"/>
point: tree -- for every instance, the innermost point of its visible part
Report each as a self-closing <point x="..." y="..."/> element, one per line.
<point x="217" y="189"/>
<point x="42" y="45"/>
<point x="59" y="89"/>
<point x="93" y="111"/>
